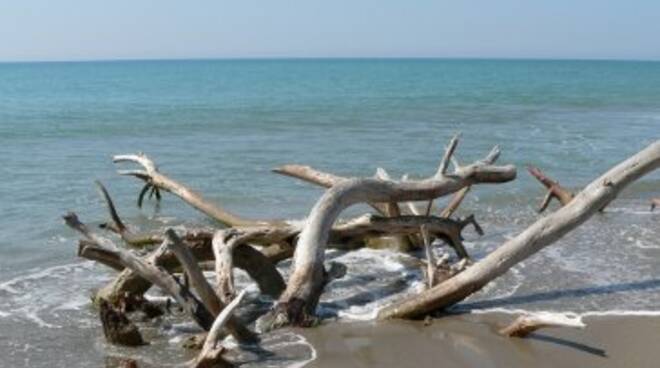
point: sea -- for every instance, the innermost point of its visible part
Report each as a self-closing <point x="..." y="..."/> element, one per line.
<point x="221" y="126"/>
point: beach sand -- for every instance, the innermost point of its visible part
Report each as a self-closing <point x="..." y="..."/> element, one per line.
<point x="472" y="341"/>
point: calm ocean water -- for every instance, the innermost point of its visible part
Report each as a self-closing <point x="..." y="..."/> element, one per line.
<point x="220" y="126"/>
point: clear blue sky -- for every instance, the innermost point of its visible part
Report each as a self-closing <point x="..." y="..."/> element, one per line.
<point x="121" y="29"/>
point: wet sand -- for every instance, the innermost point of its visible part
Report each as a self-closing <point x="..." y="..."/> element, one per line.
<point x="472" y="341"/>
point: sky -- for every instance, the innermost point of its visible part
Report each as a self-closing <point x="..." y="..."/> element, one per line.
<point x="40" y="30"/>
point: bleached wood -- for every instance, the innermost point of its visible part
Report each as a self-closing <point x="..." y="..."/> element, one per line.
<point x="150" y="174"/>
<point x="211" y="353"/>
<point x="199" y="283"/>
<point x="148" y="271"/>
<point x="542" y="233"/>
<point x="526" y="324"/>
<point x="298" y="302"/>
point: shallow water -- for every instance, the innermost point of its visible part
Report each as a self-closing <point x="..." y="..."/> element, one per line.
<point x="220" y="126"/>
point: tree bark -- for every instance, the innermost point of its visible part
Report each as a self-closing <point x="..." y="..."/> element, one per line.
<point x="542" y="233"/>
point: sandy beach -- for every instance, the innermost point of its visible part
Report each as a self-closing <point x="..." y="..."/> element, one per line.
<point x="472" y="341"/>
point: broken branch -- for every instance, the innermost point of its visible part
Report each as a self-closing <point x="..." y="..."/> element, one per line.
<point x="526" y="324"/>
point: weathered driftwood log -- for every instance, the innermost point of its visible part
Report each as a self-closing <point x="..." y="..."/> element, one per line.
<point x="323" y="179"/>
<point x="298" y="302"/>
<point x="526" y="324"/>
<point x="455" y="202"/>
<point x="199" y="283"/>
<point x="555" y="190"/>
<point x="443" y="228"/>
<point x="257" y="265"/>
<point x="157" y="181"/>
<point x="150" y="272"/>
<point x="117" y="328"/>
<point x="228" y="247"/>
<point x="88" y="249"/>
<point x="211" y="353"/>
<point x="326" y="180"/>
<point x="191" y="269"/>
<point x="542" y="233"/>
<point x="117" y="225"/>
<point x="131" y="282"/>
<point x="655" y="202"/>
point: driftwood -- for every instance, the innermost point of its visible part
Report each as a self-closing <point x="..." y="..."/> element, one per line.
<point x="256" y="264"/>
<point x="150" y="272"/>
<point x="229" y="246"/>
<point x="323" y="179"/>
<point x="298" y="302"/>
<point x="257" y="245"/>
<point x="526" y="324"/>
<point x="211" y="353"/>
<point x="555" y="190"/>
<point x="327" y="180"/>
<point x="156" y="181"/>
<point x="204" y="290"/>
<point x="117" y="225"/>
<point x="89" y="250"/>
<point x="542" y="233"/>
<point x="117" y="328"/>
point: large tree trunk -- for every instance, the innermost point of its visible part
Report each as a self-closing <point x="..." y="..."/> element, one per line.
<point x="298" y="302"/>
<point x="542" y="233"/>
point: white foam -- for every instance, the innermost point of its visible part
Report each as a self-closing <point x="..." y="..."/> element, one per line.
<point x="76" y="303"/>
<point x="608" y="313"/>
<point x="630" y="211"/>
<point x="642" y="245"/>
<point x="313" y="352"/>
<point x="30" y="313"/>
<point x="47" y="272"/>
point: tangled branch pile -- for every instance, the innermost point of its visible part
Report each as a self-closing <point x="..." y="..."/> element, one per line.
<point x="175" y="261"/>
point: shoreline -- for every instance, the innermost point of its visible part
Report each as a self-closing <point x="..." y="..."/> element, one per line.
<point x="471" y="340"/>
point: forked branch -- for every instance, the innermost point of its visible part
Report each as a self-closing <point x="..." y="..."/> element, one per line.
<point x="555" y="190"/>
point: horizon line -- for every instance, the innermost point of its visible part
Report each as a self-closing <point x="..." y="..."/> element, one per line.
<point x="292" y="58"/>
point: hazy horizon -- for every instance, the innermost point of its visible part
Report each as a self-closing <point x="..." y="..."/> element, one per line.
<point x="77" y="30"/>
<point x="330" y="58"/>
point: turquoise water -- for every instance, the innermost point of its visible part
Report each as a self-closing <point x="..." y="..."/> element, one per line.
<point x="220" y="126"/>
